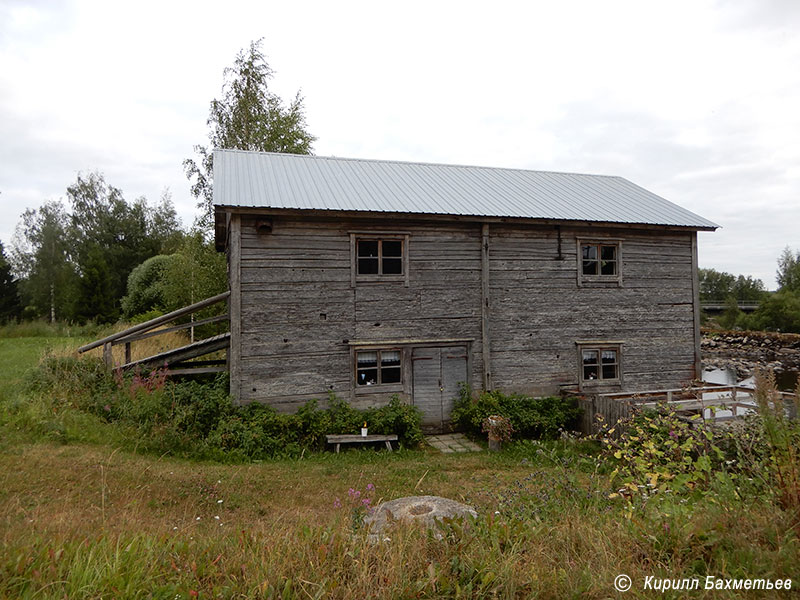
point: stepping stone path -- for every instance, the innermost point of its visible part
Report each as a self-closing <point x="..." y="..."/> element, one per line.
<point x="452" y="442"/>
<point x="425" y="510"/>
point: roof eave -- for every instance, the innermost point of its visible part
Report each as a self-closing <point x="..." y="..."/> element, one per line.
<point x="434" y="217"/>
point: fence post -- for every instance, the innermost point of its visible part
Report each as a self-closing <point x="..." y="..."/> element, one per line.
<point x="107" y="356"/>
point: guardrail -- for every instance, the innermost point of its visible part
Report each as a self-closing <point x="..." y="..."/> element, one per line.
<point x="146" y="329"/>
<point x="711" y="401"/>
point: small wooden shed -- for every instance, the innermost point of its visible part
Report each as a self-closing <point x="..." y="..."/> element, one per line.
<point x="373" y="278"/>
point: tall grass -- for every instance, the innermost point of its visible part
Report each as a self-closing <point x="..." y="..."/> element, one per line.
<point x="100" y="520"/>
<point x="94" y="523"/>
<point x="782" y="436"/>
<point x="57" y="329"/>
<point x="72" y="336"/>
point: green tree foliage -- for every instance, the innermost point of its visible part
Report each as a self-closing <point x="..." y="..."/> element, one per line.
<point x="748" y="289"/>
<point x="97" y="300"/>
<point x="75" y="265"/>
<point x="41" y="258"/>
<point x="196" y="271"/>
<point x="789" y="270"/>
<point x="731" y="315"/>
<point x="778" y="312"/>
<point x="102" y="220"/>
<point x="163" y="225"/>
<point x="716" y="286"/>
<point x="146" y="285"/>
<point x="10" y="304"/>
<point x="248" y="117"/>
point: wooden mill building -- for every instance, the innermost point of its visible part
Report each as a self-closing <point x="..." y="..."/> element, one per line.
<point x="371" y="278"/>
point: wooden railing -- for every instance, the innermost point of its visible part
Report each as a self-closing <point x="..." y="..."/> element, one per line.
<point x="710" y="398"/>
<point x="148" y="329"/>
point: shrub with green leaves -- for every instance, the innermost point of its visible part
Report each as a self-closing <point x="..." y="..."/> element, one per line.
<point x="531" y="418"/>
<point x="657" y="450"/>
<point x="199" y="419"/>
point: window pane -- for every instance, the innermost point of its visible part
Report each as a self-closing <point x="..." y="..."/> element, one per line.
<point x="390" y="375"/>
<point x="590" y="267"/>
<point x="609" y="356"/>
<point x="609" y="371"/>
<point x="368" y="248"/>
<point x="392" y="248"/>
<point x="608" y="268"/>
<point x="367" y="359"/>
<point x="608" y="252"/>
<point x="367" y="266"/>
<point x="589" y="252"/>
<point x="392" y="266"/>
<point x="390" y="358"/>
<point x="609" y="360"/>
<point x="367" y="377"/>
<point x="590" y="369"/>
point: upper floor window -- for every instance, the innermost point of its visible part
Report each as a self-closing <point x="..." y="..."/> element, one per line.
<point x="599" y="261"/>
<point x="379" y="256"/>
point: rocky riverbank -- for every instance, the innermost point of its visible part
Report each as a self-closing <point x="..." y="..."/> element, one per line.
<point x="742" y="351"/>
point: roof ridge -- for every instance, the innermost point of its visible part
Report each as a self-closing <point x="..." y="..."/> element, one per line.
<point x="418" y="163"/>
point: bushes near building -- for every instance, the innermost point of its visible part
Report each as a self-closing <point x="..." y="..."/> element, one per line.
<point x="532" y="418"/>
<point x="199" y="420"/>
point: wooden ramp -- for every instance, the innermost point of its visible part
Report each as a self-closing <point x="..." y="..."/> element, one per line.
<point x="178" y="361"/>
<point x="177" y="356"/>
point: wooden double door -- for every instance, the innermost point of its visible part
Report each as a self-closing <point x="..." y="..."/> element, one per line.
<point x="437" y="375"/>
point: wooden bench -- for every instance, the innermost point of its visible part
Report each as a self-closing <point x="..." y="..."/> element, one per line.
<point x="361" y="439"/>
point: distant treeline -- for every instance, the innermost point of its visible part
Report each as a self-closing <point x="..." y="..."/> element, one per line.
<point x="777" y="311"/>
<point x="99" y="258"/>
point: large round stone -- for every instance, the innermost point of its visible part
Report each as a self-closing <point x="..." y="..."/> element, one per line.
<point x="422" y="509"/>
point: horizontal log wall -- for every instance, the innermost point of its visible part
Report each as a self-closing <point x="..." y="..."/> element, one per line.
<point x="539" y="310"/>
<point x="300" y="313"/>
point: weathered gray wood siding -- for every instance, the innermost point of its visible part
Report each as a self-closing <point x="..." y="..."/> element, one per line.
<point x="300" y="313"/>
<point x="539" y="311"/>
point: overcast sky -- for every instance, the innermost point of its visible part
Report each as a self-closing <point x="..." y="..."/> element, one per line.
<point x="696" y="101"/>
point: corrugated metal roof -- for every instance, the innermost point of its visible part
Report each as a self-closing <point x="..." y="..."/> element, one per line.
<point x="289" y="181"/>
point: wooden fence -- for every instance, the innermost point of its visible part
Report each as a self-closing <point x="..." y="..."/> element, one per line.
<point x="718" y="403"/>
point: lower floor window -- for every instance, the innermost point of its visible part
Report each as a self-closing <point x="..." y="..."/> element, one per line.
<point x="600" y="364"/>
<point x="378" y="367"/>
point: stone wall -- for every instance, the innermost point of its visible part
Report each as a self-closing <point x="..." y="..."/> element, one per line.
<point x="743" y="350"/>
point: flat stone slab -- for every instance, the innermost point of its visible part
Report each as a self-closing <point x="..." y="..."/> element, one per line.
<point x="425" y="510"/>
<point x="452" y="442"/>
